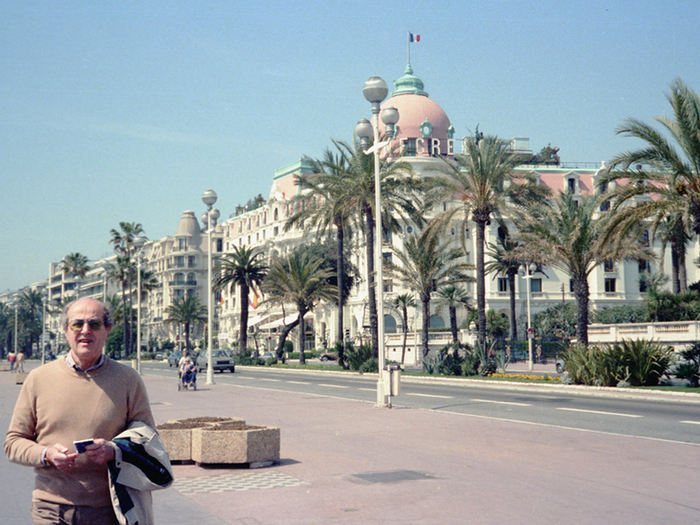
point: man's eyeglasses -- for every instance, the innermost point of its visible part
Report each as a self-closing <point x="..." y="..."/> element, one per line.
<point x="94" y="324"/>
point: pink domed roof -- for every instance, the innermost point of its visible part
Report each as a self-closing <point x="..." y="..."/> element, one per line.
<point x="415" y="109"/>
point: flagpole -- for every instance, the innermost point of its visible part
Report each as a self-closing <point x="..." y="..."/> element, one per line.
<point x="408" y="46"/>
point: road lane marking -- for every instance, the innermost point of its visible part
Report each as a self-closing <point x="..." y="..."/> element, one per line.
<point x="502" y="402"/>
<point x="599" y="412"/>
<point x="368" y="389"/>
<point x="299" y="382"/>
<point x="270" y="380"/>
<point x="691" y="422"/>
<point x="332" y="386"/>
<point x="429" y="395"/>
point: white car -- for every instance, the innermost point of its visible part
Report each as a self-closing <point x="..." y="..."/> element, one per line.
<point x="220" y="360"/>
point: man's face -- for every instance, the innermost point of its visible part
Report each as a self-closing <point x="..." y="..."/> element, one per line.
<point x="86" y="343"/>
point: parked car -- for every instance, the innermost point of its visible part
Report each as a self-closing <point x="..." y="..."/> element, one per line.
<point x="268" y="356"/>
<point x="174" y="358"/>
<point x="220" y="360"/>
<point x="329" y="356"/>
<point x="560" y="364"/>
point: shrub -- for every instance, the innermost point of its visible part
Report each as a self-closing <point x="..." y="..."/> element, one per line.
<point x="639" y="363"/>
<point x="370" y="365"/>
<point x="357" y="356"/>
<point x="690" y="368"/>
<point x="643" y="361"/>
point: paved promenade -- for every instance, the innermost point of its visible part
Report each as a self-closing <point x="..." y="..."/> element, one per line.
<point x="347" y="462"/>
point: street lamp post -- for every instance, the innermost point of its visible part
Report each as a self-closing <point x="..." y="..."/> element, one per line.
<point x="209" y="198"/>
<point x="529" y="270"/>
<point x="138" y="244"/>
<point x="375" y="91"/>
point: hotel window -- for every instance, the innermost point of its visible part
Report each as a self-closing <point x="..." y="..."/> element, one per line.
<point x="571" y="185"/>
<point x="502" y="284"/>
<point x="409" y="148"/>
<point x="536" y="285"/>
<point x="608" y="266"/>
<point x="610" y="285"/>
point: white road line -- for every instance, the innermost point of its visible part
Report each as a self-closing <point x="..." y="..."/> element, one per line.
<point x="599" y="412"/>
<point x="331" y="386"/>
<point x="429" y="395"/>
<point x="270" y="380"/>
<point x="368" y="389"/>
<point x="691" y="422"/>
<point x="502" y="402"/>
<point x="299" y="382"/>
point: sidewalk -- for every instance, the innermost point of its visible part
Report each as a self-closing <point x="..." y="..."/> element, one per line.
<point x="347" y="462"/>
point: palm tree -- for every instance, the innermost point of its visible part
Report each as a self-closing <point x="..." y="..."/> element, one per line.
<point x="300" y="280"/>
<point x="403" y="302"/>
<point x="186" y="311"/>
<point x="452" y="297"/>
<point x="75" y="265"/>
<point x="425" y="265"/>
<point x="5" y="315"/>
<point x="323" y="205"/>
<point x="483" y="183"/>
<point x="503" y="262"/>
<point x="673" y="177"/>
<point x="121" y="271"/>
<point x="401" y="195"/>
<point x="31" y="304"/>
<point x="243" y="267"/>
<point x="568" y="234"/>
<point x="123" y="242"/>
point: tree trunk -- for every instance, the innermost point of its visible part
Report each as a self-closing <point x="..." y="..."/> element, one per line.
<point x="243" y="333"/>
<point x="302" y="336"/>
<point x="341" y="279"/>
<point x="426" y="324"/>
<point x="453" y="324"/>
<point x="283" y="337"/>
<point x="371" y="280"/>
<point x="480" y="280"/>
<point x="513" y="326"/>
<point x="581" y="292"/>
<point x="405" y="334"/>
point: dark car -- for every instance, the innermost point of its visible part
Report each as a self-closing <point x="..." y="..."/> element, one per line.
<point x="329" y="356"/>
<point x="220" y="360"/>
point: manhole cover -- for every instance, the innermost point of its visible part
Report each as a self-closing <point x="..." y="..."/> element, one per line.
<point x="393" y="476"/>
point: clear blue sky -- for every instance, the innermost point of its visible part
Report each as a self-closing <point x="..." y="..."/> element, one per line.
<point x="128" y="110"/>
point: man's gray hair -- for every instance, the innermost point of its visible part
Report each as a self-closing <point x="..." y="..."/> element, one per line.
<point x="106" y="317"/>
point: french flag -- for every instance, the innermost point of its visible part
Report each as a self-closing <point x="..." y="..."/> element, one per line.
<point x="413" y="38"/>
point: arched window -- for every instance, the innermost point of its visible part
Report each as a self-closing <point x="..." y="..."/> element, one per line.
<point x="389" y="324"/>
<point x="277" y="215"/>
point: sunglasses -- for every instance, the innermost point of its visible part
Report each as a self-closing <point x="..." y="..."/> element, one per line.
<point x="94" y="324"/>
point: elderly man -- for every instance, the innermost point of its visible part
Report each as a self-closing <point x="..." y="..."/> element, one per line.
<point x="86" y="396"/>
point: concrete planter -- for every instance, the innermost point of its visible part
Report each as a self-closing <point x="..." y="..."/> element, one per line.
<point x="236" y="444"/>
<point x="177" y="435"/>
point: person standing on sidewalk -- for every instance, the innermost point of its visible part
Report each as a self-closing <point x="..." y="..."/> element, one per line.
<point x="11" y="358"/>
<point x="85" y="396"/>
<point x="19" y="363"/>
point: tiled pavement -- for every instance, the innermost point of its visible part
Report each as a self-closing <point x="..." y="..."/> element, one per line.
<point x="234" y="482"/>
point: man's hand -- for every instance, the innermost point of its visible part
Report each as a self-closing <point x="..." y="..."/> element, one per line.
<point x="59" y="457"/>
<point x="100" y="452"/>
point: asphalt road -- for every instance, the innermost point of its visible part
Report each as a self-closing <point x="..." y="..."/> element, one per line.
<point x="657" y="417"/>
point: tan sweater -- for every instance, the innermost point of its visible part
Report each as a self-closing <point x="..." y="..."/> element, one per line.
<point x="58" y="404"/>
